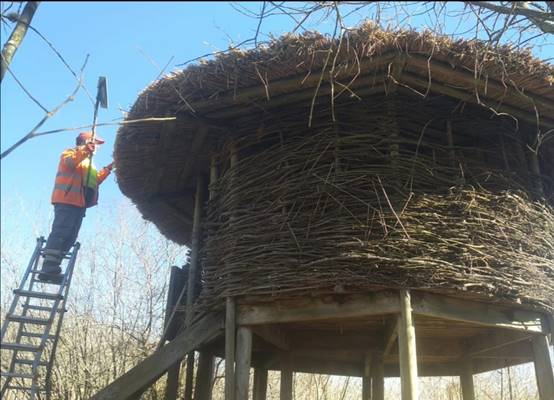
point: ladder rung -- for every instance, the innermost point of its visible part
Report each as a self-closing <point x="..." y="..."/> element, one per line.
<point x="39" y="295"/>
<point x="36" y="335"/>
<point x="16" y="375"/>
<point x="30" y="362"/>
<point x="28" y="320"/>
<point x="19" y="347"/>
<point x="11" y="387"/>
<point x="39" y="308"/>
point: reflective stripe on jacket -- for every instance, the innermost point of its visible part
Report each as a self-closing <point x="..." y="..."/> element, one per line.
<point x="69" y="184"/>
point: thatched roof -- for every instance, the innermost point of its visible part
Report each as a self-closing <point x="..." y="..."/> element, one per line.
<point x="234" y="94"/>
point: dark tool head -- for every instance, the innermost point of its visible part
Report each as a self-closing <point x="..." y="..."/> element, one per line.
<point x="102" y="96"/>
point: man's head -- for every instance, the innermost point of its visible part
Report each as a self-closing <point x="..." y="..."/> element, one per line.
<point x="85" y="138"/>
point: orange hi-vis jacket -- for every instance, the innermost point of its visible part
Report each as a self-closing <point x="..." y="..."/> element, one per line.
<point x="69" y="187"/>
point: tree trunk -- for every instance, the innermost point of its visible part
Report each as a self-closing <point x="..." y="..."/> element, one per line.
<point x="18" y="33"/>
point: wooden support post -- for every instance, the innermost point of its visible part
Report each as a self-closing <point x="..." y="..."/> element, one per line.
<point x="366" y="378"/>
<point x="194" y="272"/>
<point x="377" y="377"/>
<point x="213" y="177"/>
<point x="407" y="349"/>
<point x="189" y="376"/>
<point x="204" y="376"/>
<point x="543" y="367"/>
<point x="244" y="356"/>
<point x="466" y="379"/>
<point x="260" y="384"/>
<point x="230" y="349"/>
<point x="286" y="378"/>
<point x="172" y="385"/>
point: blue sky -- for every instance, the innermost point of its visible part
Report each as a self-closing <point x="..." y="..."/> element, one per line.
<point x="122" y="39"/>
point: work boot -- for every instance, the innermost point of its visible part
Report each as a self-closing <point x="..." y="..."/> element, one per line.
<point x="51" y="271"/>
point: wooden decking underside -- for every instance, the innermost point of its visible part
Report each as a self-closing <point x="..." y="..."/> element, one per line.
<point x="337" y="336"/>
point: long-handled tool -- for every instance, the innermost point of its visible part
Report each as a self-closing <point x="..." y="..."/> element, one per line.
<point x="102" y="101"/>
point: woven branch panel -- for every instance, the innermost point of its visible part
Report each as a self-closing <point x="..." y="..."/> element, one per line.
<point x="381" y="199"/>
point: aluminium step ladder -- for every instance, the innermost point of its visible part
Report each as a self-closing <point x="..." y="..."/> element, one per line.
<point x="31" y="329"/>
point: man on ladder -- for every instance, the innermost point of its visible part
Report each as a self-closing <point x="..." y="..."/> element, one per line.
<point x="75" y="190"/>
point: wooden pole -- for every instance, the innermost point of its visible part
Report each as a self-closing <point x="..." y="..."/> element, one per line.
<point x="260" y="384"/>
<point x="172" y="385"/>
<point x="230" y="316"/>
<point x="377" y="377"/>
<point x="213" y="177"/>
<point x="543" y="367"/>
<point x="466" y="379"/>
<point x="244" y="355"/>
<point x="407" y="348"/>
<point x="189" y="376"/>
<point x="204" y="376"/>
<point x="286" y="378"/>
<point x="195" y="244"/>
<point x="366" y="378"/>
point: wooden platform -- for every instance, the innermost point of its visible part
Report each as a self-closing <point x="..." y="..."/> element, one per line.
<point x="390" y="333"/>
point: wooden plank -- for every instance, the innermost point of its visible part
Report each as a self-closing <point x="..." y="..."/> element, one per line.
<point x="377" y="377"/>
<point x="366" y="378"/>
<point x="438" y="306"/>
<point x="318" y="309"/>
<point x="272" y="335"/>
<point x="189" y="376"/>
<point x="260" y="384"/>
<point x="543" y="368"/>
<point x="204" y="376"/>
<point x="287" y="378"/>
<point x="150" y="369"/>
<point x="172" y="384"/>
<point x="407" y="349"/>
<point x="230" y="332"/>
<point x="466" y="379"/>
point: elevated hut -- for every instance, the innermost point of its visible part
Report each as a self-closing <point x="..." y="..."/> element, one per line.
<point x="376" y="206"/>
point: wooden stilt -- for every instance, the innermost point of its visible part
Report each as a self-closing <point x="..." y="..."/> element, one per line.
<point x="377" y="377"/>
<point x="543" y="367"/>
<point x="195" y="245"/>
<point x="407" y="349"/>
<point x="172" y="385"/>
<point x="204" y="376"/>
<point x="244" y="354"/>
<point x="366" y="378"/>
<point x="260" y="384"/>
<point x="286" y="378"/>
<point x="230" y="349"/>
<point x="189" y="377"/>
<point x="466" y="380"/>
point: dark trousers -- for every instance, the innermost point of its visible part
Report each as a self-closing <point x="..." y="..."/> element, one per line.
<point x="65" y="228"/>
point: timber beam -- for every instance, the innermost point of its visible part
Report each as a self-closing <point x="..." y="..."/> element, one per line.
<point x="387" y="302"/>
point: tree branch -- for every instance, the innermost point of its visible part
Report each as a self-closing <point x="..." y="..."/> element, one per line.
<point x="48" y="115"/>
<point x="18" y="33"/>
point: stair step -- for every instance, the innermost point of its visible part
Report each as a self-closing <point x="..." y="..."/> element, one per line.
<point x="16" y="375"/>
<point x="30" y="362"/>
<point x="36" y="335"/>
<point x="38" y="295"/>
<point x="19" y="347"/>
<point x="29" y="320"/>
